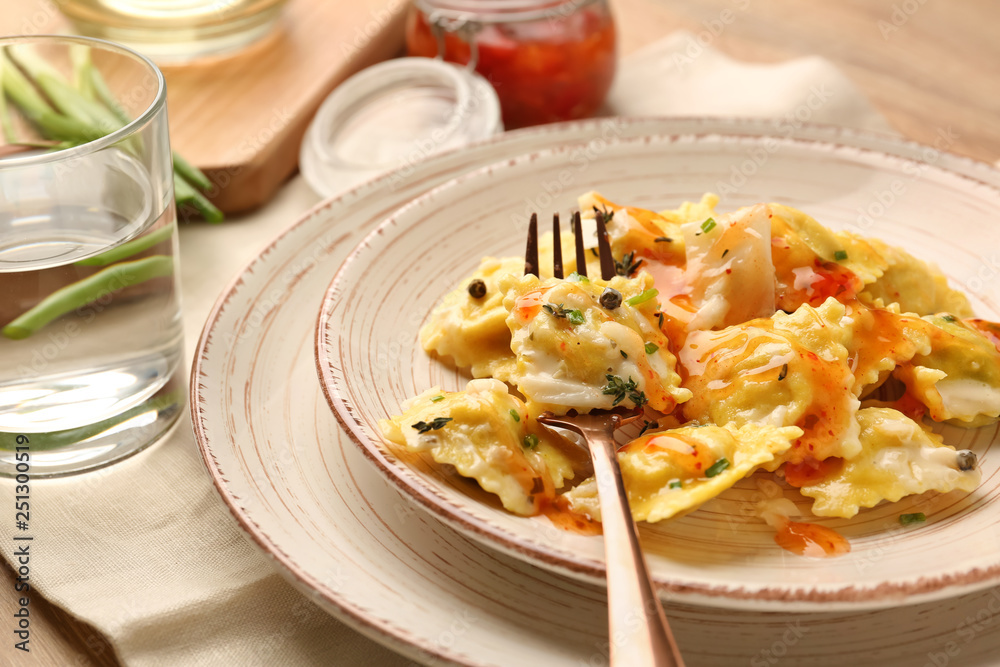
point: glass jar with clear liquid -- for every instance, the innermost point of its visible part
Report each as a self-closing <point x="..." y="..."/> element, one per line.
<point x="91" y="339"/>
<point x="174" y="30"/>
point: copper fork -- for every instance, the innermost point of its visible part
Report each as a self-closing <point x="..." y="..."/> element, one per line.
<point x="638" y="628"/>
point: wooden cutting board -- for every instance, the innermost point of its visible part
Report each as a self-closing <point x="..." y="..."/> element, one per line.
<point x="241" y="118"/>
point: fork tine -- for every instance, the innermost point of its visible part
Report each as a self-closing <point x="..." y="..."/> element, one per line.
<point x="581" y="256"/>
<point x="604" y="249"/>
<point x="557" y="265"/>
<point x="531" y="252"/>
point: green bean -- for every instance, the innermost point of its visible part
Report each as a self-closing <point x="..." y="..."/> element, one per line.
<point x="40" y="442"/>
<point x="191" y="173"/>
<point x="38" y="111"/>
<point x="133" y="247"/>
<point x="185" y="194"/>
<point x="88" y="290"/>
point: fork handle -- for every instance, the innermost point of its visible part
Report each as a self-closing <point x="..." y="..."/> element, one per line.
<point x="640" y="635"/>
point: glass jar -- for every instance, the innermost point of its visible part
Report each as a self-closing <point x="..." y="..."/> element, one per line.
<point x="549" y="60"/>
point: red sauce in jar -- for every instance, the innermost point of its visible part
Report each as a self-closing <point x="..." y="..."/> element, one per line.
<point x="555" y="68"/>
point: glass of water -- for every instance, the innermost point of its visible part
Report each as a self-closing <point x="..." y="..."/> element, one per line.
<point x="91" y="342"/>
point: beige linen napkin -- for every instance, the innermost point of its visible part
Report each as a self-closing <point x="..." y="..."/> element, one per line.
<point x="146" y="551"/>
<point x="681" y="75"/>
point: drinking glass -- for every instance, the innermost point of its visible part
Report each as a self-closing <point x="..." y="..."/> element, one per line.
<point x="91" y="339"/>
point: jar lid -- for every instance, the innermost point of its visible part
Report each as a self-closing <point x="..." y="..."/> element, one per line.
<point x="391" y="115"/>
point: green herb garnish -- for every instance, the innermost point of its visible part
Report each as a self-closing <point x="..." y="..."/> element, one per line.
<point x="909" y="519"/>
<point x="660" y="315"/>
<point x="628" y="265"/>
<point x="515" y="415"/>
<point x="840" y="255"/>
<point x="725" y="252"/>
<point x="676" y="484"/>
<point x="648" y="425"/>
<point x="434" y="424"/>
<point x="577" y="278"/>
<point x="642" y="298"/>
<point x="717" y="467"/>
<point x="708" y="226"/>
<point x="621" y="390"/>
<point x="651" y="348"/>
<point x="576" y="317"/>
<point x="948" y="318"/>
<point x="437" y="398"/>
<point x="557" y="310"/>
<point x="530" y="441"/>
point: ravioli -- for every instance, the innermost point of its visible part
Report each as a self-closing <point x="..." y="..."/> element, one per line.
<point x="917" y="286"/>
<point x="788" y="370"/>
<point x="574" y="353"/>
<point x="813" y="263"/>
<point x="473" y="331"/>
<point x="898" y="458"/>
<point x="882" y="339"/>
<point x="488" y="435"/>
<point x="958" y="380"/>
<point x="672" y="472"/>
<point x="761" y="329"/>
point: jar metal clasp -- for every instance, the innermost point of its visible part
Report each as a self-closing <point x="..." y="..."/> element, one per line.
<point x="465" y="28"/>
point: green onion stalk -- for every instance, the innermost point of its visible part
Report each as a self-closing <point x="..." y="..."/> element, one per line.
<point x="71" y="113"/>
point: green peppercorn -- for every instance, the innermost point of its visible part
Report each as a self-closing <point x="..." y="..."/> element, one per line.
<point x="611" y="298"/>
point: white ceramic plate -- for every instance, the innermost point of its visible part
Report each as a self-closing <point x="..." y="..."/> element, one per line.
<point x="370" y="358"/>
<point x="344" y="536"/>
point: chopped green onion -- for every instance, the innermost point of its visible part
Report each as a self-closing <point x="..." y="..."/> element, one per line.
<point x="642" y="298"/>
<point x="948" y="318"/>
<point x="717" y="467"/>
<point x="708" y="226"/>
<point x="908" y="519"/>
<point x="437" y="398"/>
<point x="515" y="415"/>
<point x="575" y="317"/>
<point x="676" y="484"/>
<point x="840" y="255"/>
<point x="577" y="278"/>
<point x="530" y="441"/>
<point x="651" y="348"/>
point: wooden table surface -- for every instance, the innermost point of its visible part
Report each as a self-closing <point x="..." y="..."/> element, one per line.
<point x="927" y="66"/>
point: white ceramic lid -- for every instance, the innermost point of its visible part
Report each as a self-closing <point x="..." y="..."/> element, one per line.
<point x="391" y="115"/>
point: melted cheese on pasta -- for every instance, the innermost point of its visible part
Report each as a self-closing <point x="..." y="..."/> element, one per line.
<point x="569" y="347"/>
<point x="789" y="370"/>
